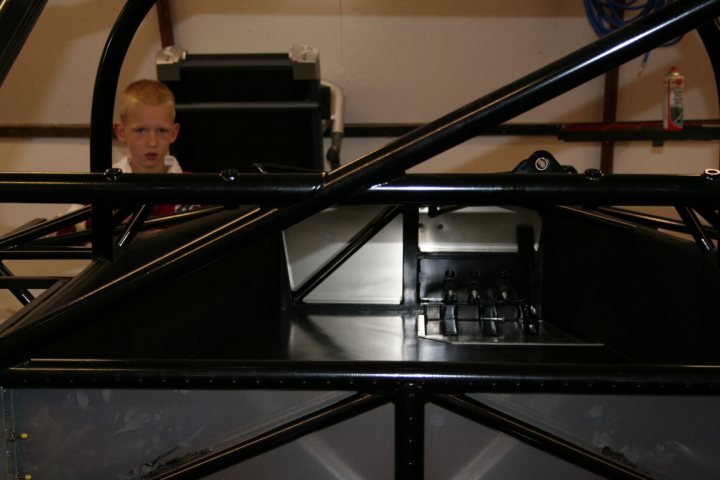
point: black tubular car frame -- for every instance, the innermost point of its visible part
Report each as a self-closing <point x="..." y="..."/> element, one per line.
<point x="377" y="178"/>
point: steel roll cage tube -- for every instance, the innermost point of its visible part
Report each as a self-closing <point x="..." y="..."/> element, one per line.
<point x="702" y="234"/>
<point x="274" y="438"/>
<point x="16" y="340"/>
<point x="614" y="379"/>
<point x="446" y="377"/>
<point x="409" y="436"/>
<point x="706" y="232"/>
<point x="134" y="225"/>
<point x="409" y="404"/>
<point x="69" y="240"/>
<point x="66" y="246"/>
<point x="552" y="444"/>
<point x="546" y="83"/>
<point x="117" y="187"/>
<point x="44" y="248"/>
<point x="101" y="111"/>
<point x="542" y="189"/>
<point x="409" y="390"/>
<point x="696" y="229"/>
<point x="29" y="282"/>
<point x="393" y="159"/>
<point x="51" y="322"/>
<point x="655" y="221"/>
<point x="23" y="295"/>
<point x="277" y="190"/>
<point x="521" y="95"/>
<point x="712" y="216"/>
<point x="46" y="253"/>
<point x="470" y="187"/>
<point x="32" y="232"/>
<point x="21" y="16"/>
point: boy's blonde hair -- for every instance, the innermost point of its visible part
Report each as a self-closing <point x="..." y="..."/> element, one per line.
<point x="145" y="92"/>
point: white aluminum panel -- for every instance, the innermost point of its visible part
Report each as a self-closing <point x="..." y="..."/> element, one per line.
<point x="476" y="229"/>
<point x="373" y="275"/>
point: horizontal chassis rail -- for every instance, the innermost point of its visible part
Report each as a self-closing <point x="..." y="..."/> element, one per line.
<point x="418" y="189"/>
<point x="447" y="377"/>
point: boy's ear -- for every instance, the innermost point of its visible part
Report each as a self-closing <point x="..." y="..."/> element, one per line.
<point x="119" y="129"/>
<point x="175" y="131"/>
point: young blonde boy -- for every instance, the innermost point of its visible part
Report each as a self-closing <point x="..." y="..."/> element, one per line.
<point x="146" y="125"/>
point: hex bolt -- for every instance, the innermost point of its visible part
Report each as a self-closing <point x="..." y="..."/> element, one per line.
<point x="113" y="174"/>
<point x="593" y="174"/>
<point x="711" y="174"/>
<point x="229" y="174"/>
<point x="541" y="164"/>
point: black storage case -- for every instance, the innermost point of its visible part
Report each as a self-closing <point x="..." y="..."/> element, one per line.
<point x="236" y="110"/>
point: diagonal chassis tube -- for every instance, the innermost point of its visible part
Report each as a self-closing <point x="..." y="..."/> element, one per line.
<point x="227" y="457"/>
<point x="552" y="444"/>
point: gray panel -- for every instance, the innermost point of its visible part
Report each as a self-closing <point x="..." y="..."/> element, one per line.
<point x="361" y="448"/>
<point x="664" y="437"/>
<point x="461" y="450"/>
<point x="121" y="434"/>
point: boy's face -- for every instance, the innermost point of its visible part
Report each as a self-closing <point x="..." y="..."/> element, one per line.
<point x="148" y="132"/>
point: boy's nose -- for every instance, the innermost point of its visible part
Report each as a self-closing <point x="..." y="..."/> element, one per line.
<point x="151" y="138"/>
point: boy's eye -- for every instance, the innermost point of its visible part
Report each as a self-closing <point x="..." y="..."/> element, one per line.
<point x="160" y="132"/>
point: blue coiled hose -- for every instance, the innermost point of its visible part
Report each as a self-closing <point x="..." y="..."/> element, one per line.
<point x="608" y="15"/>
